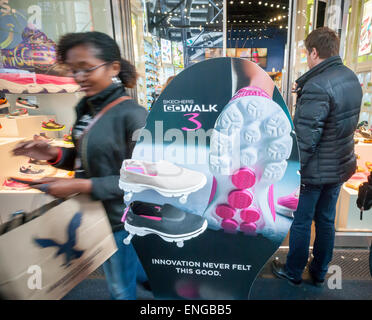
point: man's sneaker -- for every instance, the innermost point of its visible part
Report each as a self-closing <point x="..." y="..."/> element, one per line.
<point x="164" y="177"/>
<point x="24" y="103"/>
<point x="10" y="184"/>
<point x="167" y="221"/>
<point x="288" y="204"/>
<point x="51" y="125"/>
<point x="278" y="270"/>
<point x="19" y="112"/>
<point x="4" y="103"/>
<point x="30" y="170"/>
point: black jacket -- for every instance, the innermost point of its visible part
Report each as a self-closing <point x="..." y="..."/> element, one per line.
<point x="105" y="146"/>
<point x="327" y="112"/>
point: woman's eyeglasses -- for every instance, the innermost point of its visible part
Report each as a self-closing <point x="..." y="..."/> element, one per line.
<point x="85" y="72"/>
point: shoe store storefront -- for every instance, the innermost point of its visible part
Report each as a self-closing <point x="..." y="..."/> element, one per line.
<point x="356" y="31"/>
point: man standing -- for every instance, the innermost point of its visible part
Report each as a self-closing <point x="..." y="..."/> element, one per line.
<point x="328" y="105"/>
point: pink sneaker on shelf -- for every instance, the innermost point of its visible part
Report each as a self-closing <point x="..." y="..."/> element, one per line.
<point x="288" y="204"/>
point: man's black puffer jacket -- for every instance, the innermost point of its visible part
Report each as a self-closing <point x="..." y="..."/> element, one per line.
<point x="327" y="112"/>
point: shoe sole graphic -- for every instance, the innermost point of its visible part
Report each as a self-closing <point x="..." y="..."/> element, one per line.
<point x="131" y="188"/>
<point x="248" y="151"/>
<point x="178" y="239"/>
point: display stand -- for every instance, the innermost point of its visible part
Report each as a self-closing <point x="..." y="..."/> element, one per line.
<point x="25" y="126"/>
<point x="219" y="260"/>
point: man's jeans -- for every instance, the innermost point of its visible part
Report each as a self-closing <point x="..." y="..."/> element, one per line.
<point x="123" y="269"/>
<point x="318" y="203"/>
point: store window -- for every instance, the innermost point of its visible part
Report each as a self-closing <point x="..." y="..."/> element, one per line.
<point x="169" y="36"/>
<point x="37" y="99"/>
<point x="257" y="31"/>
<point x="358" y="57"/>
<point x="304" y="25"/>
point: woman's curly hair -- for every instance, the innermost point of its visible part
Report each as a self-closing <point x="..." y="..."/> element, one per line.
<point x="107" y="50"/>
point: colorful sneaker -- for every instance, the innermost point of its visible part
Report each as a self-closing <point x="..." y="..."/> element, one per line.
<point x="168" y="222"/>
<point x="164" y="177"/>
<point x="20" y="112"/>
<point x="36" y="50"/>
<point x="23" y="103"/>
<point x="4" y="103"/>
<point x="362" y="124"/>
<point x="10" y="184"/>
<point x="256" y="130"/>
<point x="67" y="138"/>
<point x="288" y="204"/>
<point x="30" y="170"/>
<point x="365" y="132"/>
<point x="51" y="125"/>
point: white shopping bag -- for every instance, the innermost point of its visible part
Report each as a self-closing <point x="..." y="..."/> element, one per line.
<point x="44" y="258"/>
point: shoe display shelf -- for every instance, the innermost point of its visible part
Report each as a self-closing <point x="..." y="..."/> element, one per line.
<point x="25" y="126"/>
<point x="151" y="71"/>
<point x="10" y="199"/>
<point x="347" y="212"/>
<point x="57" y="106"/>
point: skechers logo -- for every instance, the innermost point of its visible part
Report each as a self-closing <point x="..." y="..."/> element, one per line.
<point x="190" y="108"/>
<point x="66" y="248"/>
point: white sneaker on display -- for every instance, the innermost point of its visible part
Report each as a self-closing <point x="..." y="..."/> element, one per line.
<point x="164" y="177"/>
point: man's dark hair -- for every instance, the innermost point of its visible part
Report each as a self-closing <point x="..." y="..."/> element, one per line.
<point x="107" y="50"/>
<point x="325" y="41"/>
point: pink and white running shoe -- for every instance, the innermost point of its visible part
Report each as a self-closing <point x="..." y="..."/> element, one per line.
<point x="288" y="204"/>
<point x="249" y="148"/>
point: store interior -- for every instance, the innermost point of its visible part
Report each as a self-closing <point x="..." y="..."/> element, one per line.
<point x="168" y="36"/>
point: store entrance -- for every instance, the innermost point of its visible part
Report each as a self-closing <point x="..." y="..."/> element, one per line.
<point x="257" y="31"/>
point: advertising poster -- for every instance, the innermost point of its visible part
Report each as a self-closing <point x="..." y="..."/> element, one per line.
<point x="177" y="54"/>
<point x="365" y="43"/>
<point x="166" y="51"/>
<point x="208" y="185"/>
<point x="28" y="51"/>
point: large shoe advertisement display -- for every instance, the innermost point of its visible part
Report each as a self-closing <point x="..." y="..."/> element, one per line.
<point x="213" y="181"/>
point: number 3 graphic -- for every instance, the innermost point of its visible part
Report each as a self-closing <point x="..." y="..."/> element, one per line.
<point x="192" y="119"/>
